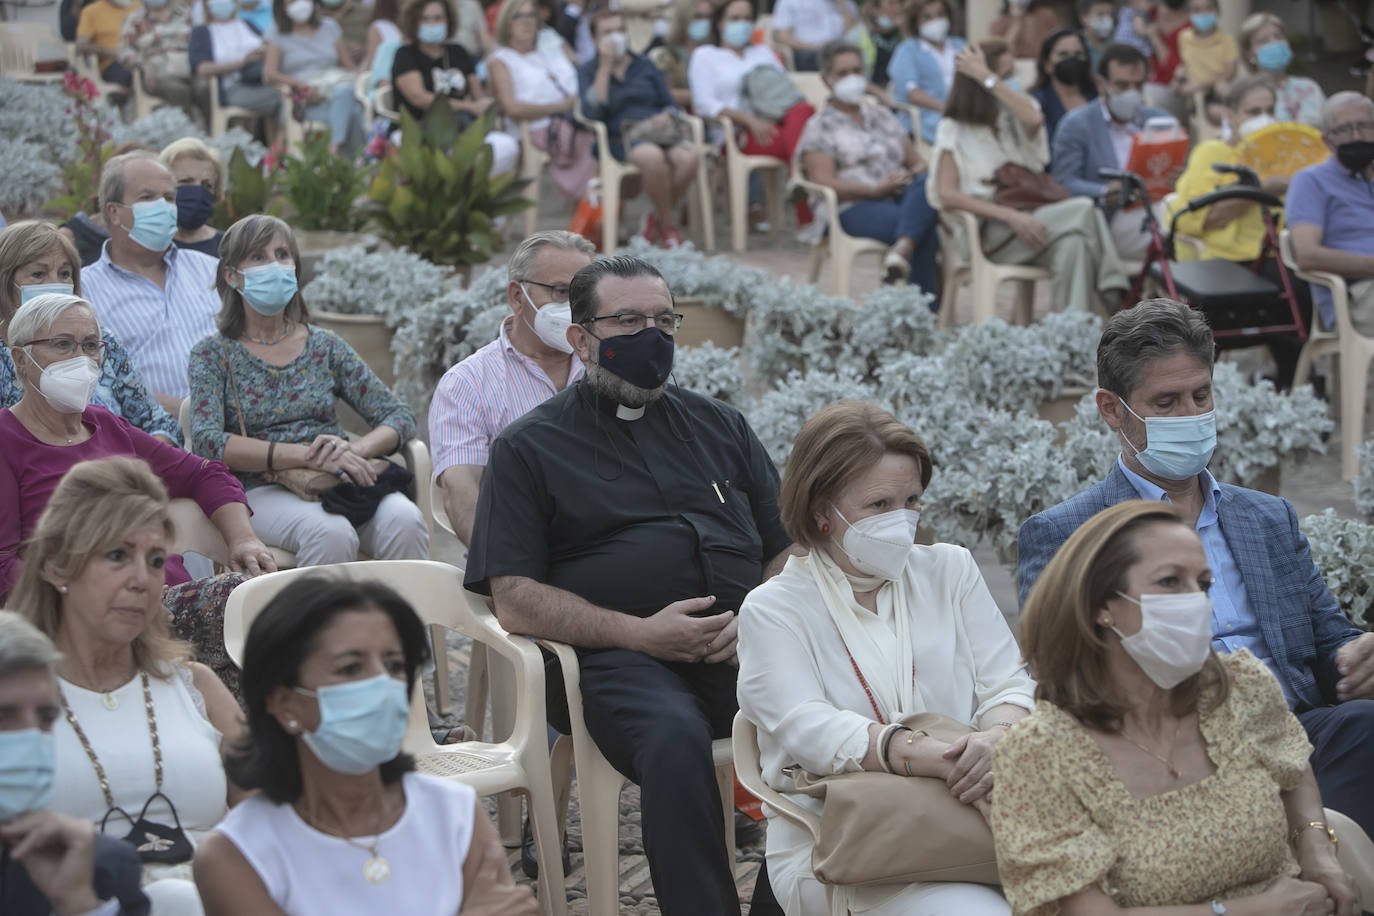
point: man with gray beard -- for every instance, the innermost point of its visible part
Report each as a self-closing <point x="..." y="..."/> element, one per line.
<point x="629" y="518"/>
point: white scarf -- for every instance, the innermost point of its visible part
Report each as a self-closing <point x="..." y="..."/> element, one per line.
<point x="885" y="662"/>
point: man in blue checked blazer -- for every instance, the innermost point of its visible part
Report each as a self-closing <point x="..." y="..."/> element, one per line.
<point x="1154" y="366"/>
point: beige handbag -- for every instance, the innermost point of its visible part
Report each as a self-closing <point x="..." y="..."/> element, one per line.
<point x="881" y="828"/>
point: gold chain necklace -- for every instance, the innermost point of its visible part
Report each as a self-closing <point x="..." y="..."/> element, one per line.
<point x="1167" y="761"/>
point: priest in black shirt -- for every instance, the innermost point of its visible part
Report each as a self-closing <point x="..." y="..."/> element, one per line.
<point x="629" y="519"/>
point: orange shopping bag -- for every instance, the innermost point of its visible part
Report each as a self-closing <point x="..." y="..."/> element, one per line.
<point x="586" y="219"/>
<point x="1158" y="155"/>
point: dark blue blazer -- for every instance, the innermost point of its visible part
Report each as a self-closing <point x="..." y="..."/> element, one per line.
<point x="1299" y="617"/>
<point x="117" y="874"/>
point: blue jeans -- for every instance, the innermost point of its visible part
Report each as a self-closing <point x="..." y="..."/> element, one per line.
<point x="911" y="217"/>
<point x="343" y="114"/>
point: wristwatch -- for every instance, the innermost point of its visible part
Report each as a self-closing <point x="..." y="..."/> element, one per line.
<point x="990" y="82"/>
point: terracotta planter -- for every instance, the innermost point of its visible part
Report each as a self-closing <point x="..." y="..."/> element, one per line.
<point x="702" y="322"/>
<point x="365" y="333"/>
<point x="316" y="243"/>
<point x="1062" y="409"/>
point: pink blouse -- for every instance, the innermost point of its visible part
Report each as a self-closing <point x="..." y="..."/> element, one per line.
<point x="30" y="470"/>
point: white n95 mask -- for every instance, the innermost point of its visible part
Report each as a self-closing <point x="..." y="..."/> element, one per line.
<point x="551" y="323"/>
<point x="881" y="544"/>
<point x="1175" y="636"/>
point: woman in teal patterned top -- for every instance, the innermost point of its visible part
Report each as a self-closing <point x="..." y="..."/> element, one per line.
<point x="36" y="258"/>
<point x="272" y="375"/>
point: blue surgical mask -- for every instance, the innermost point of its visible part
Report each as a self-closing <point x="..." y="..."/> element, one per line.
<point x="432" y="33"/>
<point x="885" y="24"/>
<point x="1204" y="22"/>
<point x="40" y="289"/>
<point x="1013" y="83"/>
<point x="737" y="34"/>
<point x="1275" y="56"/>
<point x="155" y="222"/>
<point x="27" y="764"/>
<point x="361" y="723"/>
<point x="1176" y="448"/>
<point x="699" y="29"/>
<point x="269" y="288"/>
<point x="221" y="9"/>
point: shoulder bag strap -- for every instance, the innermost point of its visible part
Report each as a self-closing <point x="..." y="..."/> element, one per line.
<point x="234" y="387"/>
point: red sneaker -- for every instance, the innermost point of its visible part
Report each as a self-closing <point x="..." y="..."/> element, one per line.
<point x="650" y="229"/>
<point x="671" y="236"/>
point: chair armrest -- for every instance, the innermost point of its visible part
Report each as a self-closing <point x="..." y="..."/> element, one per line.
<point x="603" y="134"/>
<point x="744" y="744"/>
<point x="475" y="620"/>
<point x="827" y="194"/>
<point x="727" y="127"/>
<point x="975" y="243"/>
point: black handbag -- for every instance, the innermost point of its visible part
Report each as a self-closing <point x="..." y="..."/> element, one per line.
<point x="155" y="843"/>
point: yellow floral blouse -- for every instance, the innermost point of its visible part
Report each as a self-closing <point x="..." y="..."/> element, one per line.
<point x="1063" y="821"/>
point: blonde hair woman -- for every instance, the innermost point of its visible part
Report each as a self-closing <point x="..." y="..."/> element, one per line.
<point x="1265" y="49"/>
<point x="140" y="739"/>
<point x="199" y="175"/>
<point x="1153" y="772"/>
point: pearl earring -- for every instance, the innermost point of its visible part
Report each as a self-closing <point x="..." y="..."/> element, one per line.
<point x="292" y="725"/>
<point x="62" y="589"/>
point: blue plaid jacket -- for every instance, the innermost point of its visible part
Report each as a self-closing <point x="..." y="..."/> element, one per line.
<point x="1299" y="617"/>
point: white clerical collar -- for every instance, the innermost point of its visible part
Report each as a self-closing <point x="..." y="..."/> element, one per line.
<point x="628" y="413"/>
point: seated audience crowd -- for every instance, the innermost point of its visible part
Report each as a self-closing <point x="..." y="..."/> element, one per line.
<point x="1181" y="723"/>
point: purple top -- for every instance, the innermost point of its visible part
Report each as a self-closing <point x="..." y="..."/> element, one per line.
<point x="1341" y="205"/>
<point x="30" y="471"/>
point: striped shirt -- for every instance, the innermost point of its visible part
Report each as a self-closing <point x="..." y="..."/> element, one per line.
<point x="157" y="326"/>
<point x="480" y="396"/>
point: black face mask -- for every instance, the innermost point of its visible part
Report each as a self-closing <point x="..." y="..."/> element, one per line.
<point x="643" y="359"/>
<point x="1175" y="4"/>
<point x="1356" y="155"/>
<point x="1071" y="70"/>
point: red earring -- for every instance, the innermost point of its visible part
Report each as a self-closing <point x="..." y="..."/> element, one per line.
<point x="825" y="527"/>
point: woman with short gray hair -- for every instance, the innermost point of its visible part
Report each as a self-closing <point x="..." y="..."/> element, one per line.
<point x="263" y="401"/>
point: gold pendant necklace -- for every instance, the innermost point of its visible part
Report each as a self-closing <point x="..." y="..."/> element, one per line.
<point x="1167" y="761"/>
<point x="109" y="701"/>
<point x="376" y="869"/>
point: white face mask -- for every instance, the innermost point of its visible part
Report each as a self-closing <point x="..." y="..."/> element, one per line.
<point x="67" y="385"/>
<point x="300" y="11"/>
<point x="880" y="545"/>
<point x="851" y="88"/>
<point x="1175" y="636"/>
<point x="551" y="323"/>
<point x="1250" y="125"/>
<point x="614" y="45"/>
<point x="935" y="31"/>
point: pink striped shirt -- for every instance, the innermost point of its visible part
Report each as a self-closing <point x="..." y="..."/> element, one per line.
<point x="480" y="396"/>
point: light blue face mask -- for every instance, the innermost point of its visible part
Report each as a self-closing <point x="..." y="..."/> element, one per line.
<point x="269" y="288"/>
<point x="27" y="764"/>
<point x="361" y="723"/>
<point x="155" y="222"/>
<point x="38" y="289"/>
<point x="1275" y="56"/>
<point x="886" y="24"/>
<point x="1204" y="22"/>
<point x="432" y="33"/>
<point x="699" y="29"/>
<point x="1013" y="83"/>
<point x="222" y="9"/>
<point x="737" y="34"/>
<point x="1176" y="448"/>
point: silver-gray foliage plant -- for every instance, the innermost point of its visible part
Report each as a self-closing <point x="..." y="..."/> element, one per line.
<point x="1259" y="428"/>
<point x="1343" y="550"/>
<point x="710" y="370"/>
<point x="1364" y="481"/>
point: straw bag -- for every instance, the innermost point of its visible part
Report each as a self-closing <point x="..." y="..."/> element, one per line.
<point x="881" y="828"/>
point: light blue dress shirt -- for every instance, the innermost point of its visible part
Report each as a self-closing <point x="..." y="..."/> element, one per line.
<point x="1234" y="625"/>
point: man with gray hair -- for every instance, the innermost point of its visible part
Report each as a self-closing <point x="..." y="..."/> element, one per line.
<point x="159" y="300"/>
<point x="49" y="863"/>
<point x="1154" y="369"/>
<point x="1330" y="209"/>
<point x="529" y="362"/>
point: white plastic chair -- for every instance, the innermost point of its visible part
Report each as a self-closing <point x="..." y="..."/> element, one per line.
<point x="519" y="763"/>
<point x="1355" y="852"/>
<point x="88" y="66"/>
<point x="19" y="43"/>
<point x="533" y="162"/>
<point x="914" y="113"/>
<point x="360" y="93"/>
<point x="745" y="741"/>
<point x="812" y="88"/>
<point x="144" y="101"/>
<point x="384" y="103"/>
<point x="764" y="25"/>
<point x="613" y="172"/>
<point x="1352" y="349"/>
<point x="221" y="114"/>
<point x="598" y="788"/>
<point x="981" y="274"/>
<point x="738" y="166"/>
<point x="842" y="247"/>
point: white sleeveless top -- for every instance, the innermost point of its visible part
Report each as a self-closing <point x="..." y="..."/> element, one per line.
<point x="192" y="771"/>
<point x="309" y="873"/>
<point x="537" y="78"/>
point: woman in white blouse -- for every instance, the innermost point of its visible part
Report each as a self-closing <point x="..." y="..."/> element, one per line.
<point x="532" y="85"/>
<point x="988" y="123"/>
<point x="866" y="629"/>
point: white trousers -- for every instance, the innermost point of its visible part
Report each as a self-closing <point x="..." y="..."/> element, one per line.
<point x="318" y="538"/>
<point x="1129" y="234"/>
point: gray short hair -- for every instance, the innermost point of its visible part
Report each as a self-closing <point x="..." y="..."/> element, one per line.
<point x="35" y="317"/>
<point x="1339" y="101"/>
<point x="23" y="647"/>
<point x="833" y="50"/>
<point x="1154" y="329"/>
<point x="521" y="266"/>
<point x="112" y="175"/>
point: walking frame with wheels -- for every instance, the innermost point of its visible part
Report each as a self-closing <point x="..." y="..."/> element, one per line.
<point x="1240" y="304"/>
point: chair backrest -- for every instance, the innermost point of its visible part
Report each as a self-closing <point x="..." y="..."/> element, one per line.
<point x="744" y="744"/>
<point x="360" y="93"/>
<point x="184" y="418"/>
<point x="385" y="103"/>
<point x="195" y="533"/>
<point x="17" y="54"/>
<point x="1290" y="259"/>
<point x="812" y="88"/>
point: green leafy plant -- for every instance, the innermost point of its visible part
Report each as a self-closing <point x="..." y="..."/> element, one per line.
<point x="435" y="194"/>
<point x="321" y="187"/>
<point x="249" y="189"/>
